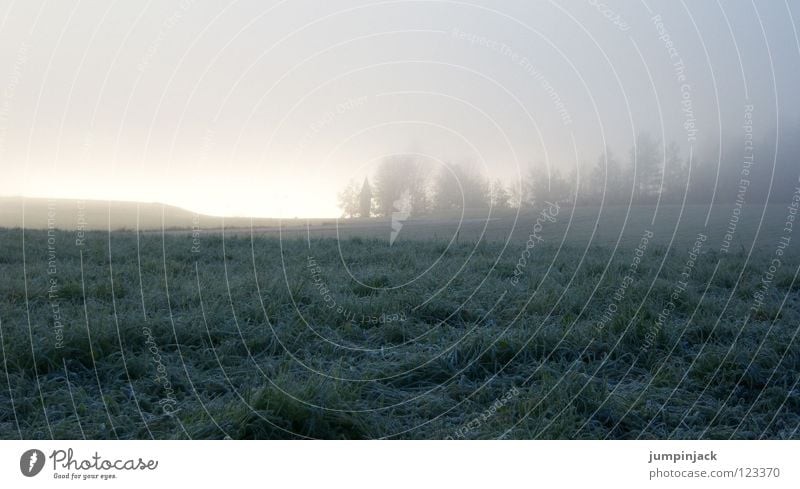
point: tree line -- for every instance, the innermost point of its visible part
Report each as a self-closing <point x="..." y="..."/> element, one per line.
<point x="649" y="172"/>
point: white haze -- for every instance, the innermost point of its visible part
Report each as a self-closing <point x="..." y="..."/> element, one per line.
<point x="269" y="108"/>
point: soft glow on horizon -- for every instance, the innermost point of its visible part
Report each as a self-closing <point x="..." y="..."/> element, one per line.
<point x="269" y="111"/>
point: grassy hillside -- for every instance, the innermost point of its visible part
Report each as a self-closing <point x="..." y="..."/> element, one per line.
<point x="129" y="335"/>
<point x="71" y="214"/>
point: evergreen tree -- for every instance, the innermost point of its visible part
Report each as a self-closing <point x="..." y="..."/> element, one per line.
<point x="365" y="200"/>
<point x="645" y="161"/>
<point x="675" y="178"/>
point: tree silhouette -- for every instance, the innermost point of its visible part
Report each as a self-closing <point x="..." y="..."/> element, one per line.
<point x="675" y="177"/>
<point x="547" y="187"/>
<point x="348" y="199"/>
<point x="500" y="198"/>
<point x="610" y="181"/>
<point x="460" y="185"/>
<point x="365" y="200"/>
<point x="645" y="160"/>
<point x="394" y="176"/>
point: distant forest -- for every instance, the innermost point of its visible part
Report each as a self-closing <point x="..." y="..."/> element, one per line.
<point x="649" y="172"/>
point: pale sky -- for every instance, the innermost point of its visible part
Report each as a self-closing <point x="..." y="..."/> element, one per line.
<point x="257" y="108"/>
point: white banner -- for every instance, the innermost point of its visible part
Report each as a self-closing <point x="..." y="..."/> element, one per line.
<point x="401" y="464"/>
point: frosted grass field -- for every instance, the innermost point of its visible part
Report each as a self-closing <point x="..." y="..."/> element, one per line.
<point x="301" y="334"/>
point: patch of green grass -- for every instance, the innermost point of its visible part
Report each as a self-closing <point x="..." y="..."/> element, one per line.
<point x="413" y="340"/>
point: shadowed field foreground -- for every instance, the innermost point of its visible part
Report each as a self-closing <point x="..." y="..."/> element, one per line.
<point x="127" y="335"/>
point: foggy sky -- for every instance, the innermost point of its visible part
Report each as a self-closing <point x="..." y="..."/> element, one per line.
<point x="269" y="108"/>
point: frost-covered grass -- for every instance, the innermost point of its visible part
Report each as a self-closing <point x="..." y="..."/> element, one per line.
<point x="247" y="339"/>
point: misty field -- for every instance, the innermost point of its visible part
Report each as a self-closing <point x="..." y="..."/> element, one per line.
<point x="140" y="335"/>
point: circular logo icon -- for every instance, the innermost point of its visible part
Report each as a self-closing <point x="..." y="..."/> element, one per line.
<point x="31" y="462"/>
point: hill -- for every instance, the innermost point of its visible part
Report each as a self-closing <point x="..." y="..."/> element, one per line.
<point x="74" y="214"/>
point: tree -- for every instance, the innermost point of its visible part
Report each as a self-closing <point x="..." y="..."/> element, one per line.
<point x="349" y="200"/>
<point x="610" y="181"/>
<point x="675" y="177"/>
<point x="547" y="186"/>
<point x="645" y="161"/>
<point x="568" y="193"/>
<point x="499" y="197"/>
<point x="516" y="193"/>
<point x="365" y="200"/>
<point x="460" y="185"/>
<point x="702" y="180"/>
<point x="396" y="175"/>
<point x="583" y="184"/>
